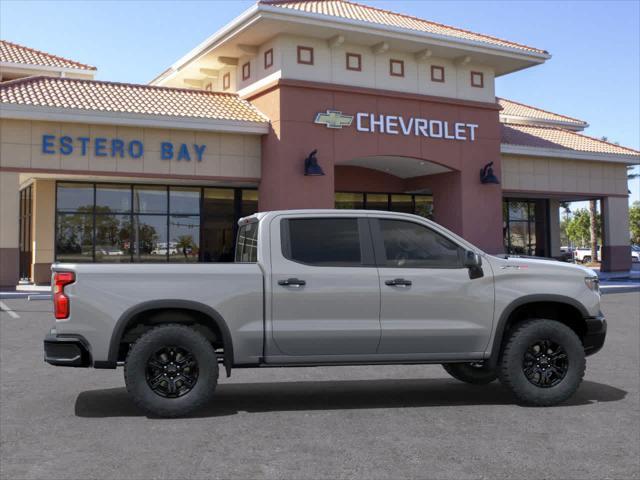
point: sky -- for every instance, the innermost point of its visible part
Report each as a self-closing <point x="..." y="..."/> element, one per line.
<point x="593" y="75"/>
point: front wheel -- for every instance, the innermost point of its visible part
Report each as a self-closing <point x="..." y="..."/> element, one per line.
<point x="474" y="373"/>
<point x="586" y="259"/>
<point x="171" y="370"/>
<point x="542" y="363"/>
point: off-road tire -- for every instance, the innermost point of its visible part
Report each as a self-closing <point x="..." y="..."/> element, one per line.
<point x="471" y="373"/>
<point x="511" y="369"/>
<point x="182" y="337"/>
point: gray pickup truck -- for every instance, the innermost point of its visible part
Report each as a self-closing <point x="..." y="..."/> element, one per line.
<point x="330" y="287"/>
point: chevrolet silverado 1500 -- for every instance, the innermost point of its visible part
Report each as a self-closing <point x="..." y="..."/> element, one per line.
<point x="330" y="287"/>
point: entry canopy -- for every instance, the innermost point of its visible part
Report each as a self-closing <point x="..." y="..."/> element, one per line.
<point x="355" y="23"/>
<point x="402" y="167"/>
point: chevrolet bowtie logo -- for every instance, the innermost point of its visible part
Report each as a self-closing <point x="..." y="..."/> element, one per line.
<point x="334" y="119"/>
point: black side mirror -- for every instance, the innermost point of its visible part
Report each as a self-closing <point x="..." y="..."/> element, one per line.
<point x="473" y="262"/>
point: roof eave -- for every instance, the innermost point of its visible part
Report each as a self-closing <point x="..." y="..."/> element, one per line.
<point x="260" y="10"/>
<point x="48" y="68"/>
<point x="575" y="126"/>
<point x="75" y="115"/>
<point x="511" y="149"/>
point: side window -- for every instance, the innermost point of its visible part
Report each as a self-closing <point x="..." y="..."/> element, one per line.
<point x="247" y="244"/>
<point x="322" y="242"/>
<point x="410" y="245"/>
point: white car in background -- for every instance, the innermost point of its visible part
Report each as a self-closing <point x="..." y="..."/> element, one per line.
<point x="635" y="253"/>
<point x="583" y="255"/>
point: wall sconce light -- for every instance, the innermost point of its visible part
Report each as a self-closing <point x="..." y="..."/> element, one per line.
<point x="311" y="167"/>
<point x="487" y="176"/>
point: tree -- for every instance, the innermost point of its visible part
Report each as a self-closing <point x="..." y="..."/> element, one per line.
<point x="579" y="227"/>
<point x="634" y="222"/>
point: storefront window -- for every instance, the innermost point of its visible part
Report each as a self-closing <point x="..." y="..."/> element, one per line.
<point x="407" y="203"/>
<point x="148" y="223"/>
<point x="523" y="228"/>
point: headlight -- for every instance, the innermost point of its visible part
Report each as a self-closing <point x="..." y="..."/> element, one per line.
<point x="592" y="283"/>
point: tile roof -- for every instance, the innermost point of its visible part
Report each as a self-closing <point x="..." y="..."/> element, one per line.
<point x="127" y="98"/>
<point x="354" y="11"/>
<point x="14" y="53"/>
<point x="559" y="139"/>
<point x="516" y="109"/>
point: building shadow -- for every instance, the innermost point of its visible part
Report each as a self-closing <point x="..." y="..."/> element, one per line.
<point x="335" y="395"/>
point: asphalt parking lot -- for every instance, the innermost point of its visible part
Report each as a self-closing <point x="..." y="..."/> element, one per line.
<point x="333" y="422"/>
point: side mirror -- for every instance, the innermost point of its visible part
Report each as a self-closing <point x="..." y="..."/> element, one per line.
<point x="472" y="259"/>
<point x="473" y="262"/>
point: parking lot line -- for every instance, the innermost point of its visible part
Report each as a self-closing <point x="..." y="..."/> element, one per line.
<point x="11" y="313"/>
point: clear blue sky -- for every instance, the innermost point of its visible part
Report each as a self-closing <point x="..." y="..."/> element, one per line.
<point x="594" y="73"/>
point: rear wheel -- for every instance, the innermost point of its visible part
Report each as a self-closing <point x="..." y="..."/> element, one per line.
<point x="586" y="259"/>
<point x="475" y="373"/>
<point x="171" y="370"/>
<point x="542" y="363"/>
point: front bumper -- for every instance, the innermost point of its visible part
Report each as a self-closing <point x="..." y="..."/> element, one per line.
<point x="593" y="339"/>
<point x="67" y="350"/>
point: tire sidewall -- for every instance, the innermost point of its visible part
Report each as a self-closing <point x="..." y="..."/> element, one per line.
<point x="152" y="341"/>
<point x="512" y="371"/>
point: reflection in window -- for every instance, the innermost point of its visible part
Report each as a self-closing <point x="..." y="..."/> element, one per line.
<point x="113" y="198"/>
<point x="247" y="244"/>
<point x="148" y="199"/>
<point x="72" y="196"/>
<point x="113" y="238"/>
<point x="184" y="200"/>
<point x="350" y="201"/>
<point x="218" y="225"/>
<point x="410" y="245"/>
<point x="249" y="203"/>
<point x="150" y="239"/>
<point x="416" y="204"/>
<point x="184" y="234"/>
<point x="74" y="237"/>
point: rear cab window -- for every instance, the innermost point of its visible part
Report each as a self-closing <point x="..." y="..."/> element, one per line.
<point x="327" y="242"/>
<point x="247" y="243"/>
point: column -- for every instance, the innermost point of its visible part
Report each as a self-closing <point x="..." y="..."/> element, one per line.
<point x="616" y="249"/>
<point x="44" y="201"/>
<point x="9" y="222"/>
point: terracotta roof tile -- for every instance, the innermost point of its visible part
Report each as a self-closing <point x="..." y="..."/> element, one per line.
<point x="355" y="11"/>
<point x="127" y="98"/>
<point x="559" y="139"/>
<point x="14" y="53"/>
<point x="516" y="109"/>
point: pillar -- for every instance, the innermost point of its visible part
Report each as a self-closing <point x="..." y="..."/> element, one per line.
<point x="44" y="201"/>
<point x="554" y="228"/>
<point x="616" y="248"/>
<point x="9" y="222"/>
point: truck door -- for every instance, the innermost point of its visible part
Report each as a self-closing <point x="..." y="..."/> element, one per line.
<point x="429" y="303"/>
<point x="325" y="288"/>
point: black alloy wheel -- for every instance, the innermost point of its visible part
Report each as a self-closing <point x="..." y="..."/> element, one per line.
<point x="545" y="363"/>
<point x="172" y="372"/>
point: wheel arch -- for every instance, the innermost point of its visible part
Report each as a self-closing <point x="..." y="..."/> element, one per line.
<point x="131" y="317"/>
<point x="523" y="307"/>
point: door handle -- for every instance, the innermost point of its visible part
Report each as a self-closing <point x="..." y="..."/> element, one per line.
<point x="398" y="282"/>
<point x="292" y="282"/>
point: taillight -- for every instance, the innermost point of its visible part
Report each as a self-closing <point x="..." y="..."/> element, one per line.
<point x="60" y="300"/>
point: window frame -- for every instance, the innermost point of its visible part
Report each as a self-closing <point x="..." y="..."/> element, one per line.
<point x="226" y="81"/>
<point x="302" y="48"/>
<point x="380" y="251"/>
<point x="480" y="75"/>
<point x="393" y="61"/>
<point x="357" y="56"/>
<point x="268" y="58"/>
<point x="435" y="68"/>
<point x="246" y="71"/>
<point x="367" y="256"/>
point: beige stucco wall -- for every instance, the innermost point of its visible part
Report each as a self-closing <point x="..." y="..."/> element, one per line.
<point x="9" y="209"/>
<point x="534" y="174"/>
<point x="330" y="67"/>
<point x="43" y="224"/>
<point x="616" y="220"/>
<point x="226" y="154"/>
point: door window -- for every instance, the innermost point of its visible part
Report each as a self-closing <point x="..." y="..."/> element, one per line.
<point x="323" y="241"/>
<point x="410" y="245"/>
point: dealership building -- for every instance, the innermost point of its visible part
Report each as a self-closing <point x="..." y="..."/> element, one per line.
<point x="294" y="104"/>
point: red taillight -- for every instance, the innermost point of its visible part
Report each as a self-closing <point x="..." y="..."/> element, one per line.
<point x="60" y="300"/>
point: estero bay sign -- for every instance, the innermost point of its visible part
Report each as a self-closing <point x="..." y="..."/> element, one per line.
<point x="399" y="125"/>
<point x="116" y="147"/>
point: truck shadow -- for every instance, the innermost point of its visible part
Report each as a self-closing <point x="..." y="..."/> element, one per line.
<point x="232" y="398"/>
